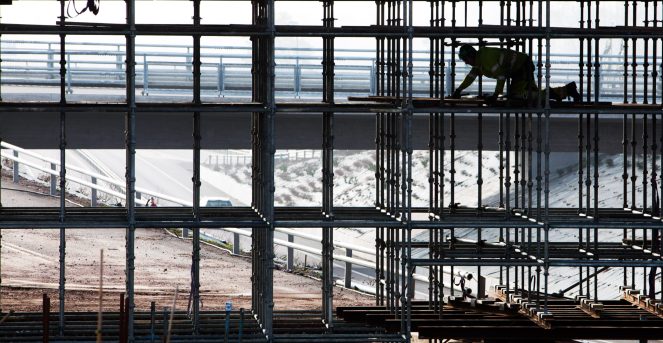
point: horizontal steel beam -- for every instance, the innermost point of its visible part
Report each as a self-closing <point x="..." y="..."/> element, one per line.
<point x="246" y="30"/>
<point x="531" y="263"/>
<point x="101" y="127"/>
<point x="533" y="333"/>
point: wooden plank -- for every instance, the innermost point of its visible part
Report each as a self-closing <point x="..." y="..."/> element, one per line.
<point x="476" y="101"/>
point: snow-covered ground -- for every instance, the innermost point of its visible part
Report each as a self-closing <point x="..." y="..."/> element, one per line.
<point x="298" y="183"/>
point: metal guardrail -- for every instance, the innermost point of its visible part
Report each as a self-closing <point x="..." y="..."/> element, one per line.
<point x="244" y="157"/>
<point x="115" y="188"/>
<point x="226" y="70"/>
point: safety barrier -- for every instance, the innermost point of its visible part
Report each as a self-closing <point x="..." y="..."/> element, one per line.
<point x="226" y="70"/>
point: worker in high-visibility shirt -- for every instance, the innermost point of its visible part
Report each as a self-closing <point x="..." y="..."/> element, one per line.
<point x="503" y="64"/>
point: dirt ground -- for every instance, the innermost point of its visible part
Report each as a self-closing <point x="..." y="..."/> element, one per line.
<point x="29" y="268"/>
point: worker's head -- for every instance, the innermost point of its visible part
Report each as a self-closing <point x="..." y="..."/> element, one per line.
<point x="468" y="54"/>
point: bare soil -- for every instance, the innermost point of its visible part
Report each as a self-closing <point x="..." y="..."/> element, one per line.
<point x="29" y="267"/>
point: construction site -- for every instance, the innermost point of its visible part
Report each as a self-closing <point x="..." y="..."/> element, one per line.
<point x="494" y="166"/>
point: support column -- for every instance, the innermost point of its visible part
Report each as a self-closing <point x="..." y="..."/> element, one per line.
<point x="546" y="183"/>
<point x="0" y="236"/>
<point x="0" y="233"/>
<point x="381" y="286"/>
<point x="63" y="172"/>
<point x="130" y="144"/>
<point x="0" y="168"/>
<point x="195" y="263"/>
<point x="407" y="282"/>
<point x="480" y="150"/>
<point x="263" y="72"/>
<point x="328" y="168"/>
<point x="49" y="49"/>
<point x="437" y="74"/>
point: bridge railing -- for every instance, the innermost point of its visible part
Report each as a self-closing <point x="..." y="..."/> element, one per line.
<point x="166" y="69"/>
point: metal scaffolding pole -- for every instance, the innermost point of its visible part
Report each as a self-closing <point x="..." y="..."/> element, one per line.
<point x="0" y="179"/>
<point x="263" y="159"/>
<point x="195" y="263"/>
<point x="63" y="171"/>
<point x="328" y="169"/>
<point x="0" y="236"/>
<point x="408" y="286"/>
<point x="546" y="266"/>
<point x="130" y="141"/>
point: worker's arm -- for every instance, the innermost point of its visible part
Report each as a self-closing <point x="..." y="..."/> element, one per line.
<point x="471" y="76"/>
<point x="499" y="86"/>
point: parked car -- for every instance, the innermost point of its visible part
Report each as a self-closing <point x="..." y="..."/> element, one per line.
<point x="215" y="202"/>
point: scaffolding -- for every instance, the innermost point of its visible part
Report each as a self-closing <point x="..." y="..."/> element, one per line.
<point x="511" y="239"/>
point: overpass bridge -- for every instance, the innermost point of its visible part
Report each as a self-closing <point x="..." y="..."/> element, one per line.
<point x="95" y="79"/>
<point x="298" y="125"/>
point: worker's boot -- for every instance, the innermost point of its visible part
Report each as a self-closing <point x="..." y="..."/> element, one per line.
<point x="557" y="93"/>
<point x="572" y="91"/>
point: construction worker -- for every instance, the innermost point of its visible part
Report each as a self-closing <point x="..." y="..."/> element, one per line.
<point x="502" y="64"/>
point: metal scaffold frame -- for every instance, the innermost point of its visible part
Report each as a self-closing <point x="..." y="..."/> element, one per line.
<point x="509" y="240"/>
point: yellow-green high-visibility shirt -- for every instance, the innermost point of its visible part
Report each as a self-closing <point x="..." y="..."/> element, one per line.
<point x="495" y="63"/>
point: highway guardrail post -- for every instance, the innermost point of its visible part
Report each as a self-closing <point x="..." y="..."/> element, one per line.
<point x="146" y="82"/>
<point x="372" y="90"/>
<point x="53" y="179"/>
<point x="236" y="248"/>
<point x="50" y="61"/>
<point x="241" y="325"/>
<point x="16" y="167"/>
<point x="152" y="321"/>
<point x="164" y="329"/>
<point x="348" y="269"/>
<point x="93" y="193"/>
<point x="291" y="254"/>
<point x="229" y="307"/>
<point x="221" y="75"/>
<point x="69" y="89"/>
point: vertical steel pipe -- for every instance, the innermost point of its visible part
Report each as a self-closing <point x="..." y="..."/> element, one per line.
<point x="195" y="263"/>
<point x="63" y="171"/>
<point x="130" y="144"/>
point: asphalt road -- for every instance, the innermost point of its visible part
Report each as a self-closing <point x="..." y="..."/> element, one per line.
<point x="164" y="171"/>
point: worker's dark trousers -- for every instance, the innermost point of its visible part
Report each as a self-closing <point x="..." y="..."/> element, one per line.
<point x="523" y="87"/>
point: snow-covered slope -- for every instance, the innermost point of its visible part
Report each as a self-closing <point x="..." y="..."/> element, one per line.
<point x="298" y="183"/>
